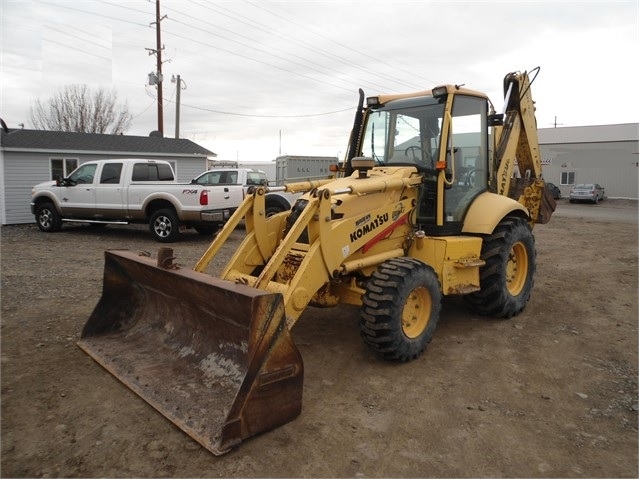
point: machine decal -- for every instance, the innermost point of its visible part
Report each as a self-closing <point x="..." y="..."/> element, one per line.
<point x="362" y="220"/>
<point x="397" y="212"/>
<point x="368" y="227"/>
<point x="385" y="233"/>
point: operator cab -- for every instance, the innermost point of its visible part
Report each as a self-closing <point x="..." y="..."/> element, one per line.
<point x="451" y="151"/>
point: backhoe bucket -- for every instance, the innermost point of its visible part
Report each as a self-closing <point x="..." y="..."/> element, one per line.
<point x="214" y="357"/>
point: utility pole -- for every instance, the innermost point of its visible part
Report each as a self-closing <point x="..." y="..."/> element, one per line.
<point x="158" y="46"/>
<point x="177" y="108"/>
<point x="178" y="87"/>
<point x="158" y="55"/>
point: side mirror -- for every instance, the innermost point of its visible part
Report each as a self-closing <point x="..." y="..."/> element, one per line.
<point x="61" y="181"/>
<point x="496" y="120"/>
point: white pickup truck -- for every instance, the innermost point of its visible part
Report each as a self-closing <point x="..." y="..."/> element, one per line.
<point x="133" y="191"/>
<point x="276" y="199"/>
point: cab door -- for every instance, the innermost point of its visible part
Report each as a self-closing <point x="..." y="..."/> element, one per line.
<point x="109" y="192"/>
<point x="77" y="194"/>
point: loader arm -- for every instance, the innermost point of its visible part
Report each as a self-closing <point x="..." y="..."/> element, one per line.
<point x="274" y="258"/>
<point x="253" y="211"/>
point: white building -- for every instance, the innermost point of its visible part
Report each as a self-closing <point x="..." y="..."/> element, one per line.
<point x="29" y="157"/>
<point x="604" y="154"/>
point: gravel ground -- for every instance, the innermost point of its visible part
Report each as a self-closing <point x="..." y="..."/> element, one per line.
<point x="550" y="393"/>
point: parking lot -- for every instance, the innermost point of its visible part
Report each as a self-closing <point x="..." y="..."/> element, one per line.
<point x="549" y="393"/>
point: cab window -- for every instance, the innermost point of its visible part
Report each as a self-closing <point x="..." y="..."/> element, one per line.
<point x="111" y="174"/>
<point x="152" y="172"/>
<point x="256" y="178"/>
<point x="84" y="174"/>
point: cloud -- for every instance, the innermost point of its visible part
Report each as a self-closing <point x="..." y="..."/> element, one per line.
<point x="256" y="72"/>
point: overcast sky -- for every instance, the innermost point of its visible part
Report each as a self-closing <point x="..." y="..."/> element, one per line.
<point x="262" y="78"/>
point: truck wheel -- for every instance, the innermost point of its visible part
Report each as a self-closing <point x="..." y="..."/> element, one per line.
<point x="400" y="309"/>
<point x="48" y="218"/>
<point x="164" y="225"/>
<point x="273" y="210"/>
<point x="506" y="280"/>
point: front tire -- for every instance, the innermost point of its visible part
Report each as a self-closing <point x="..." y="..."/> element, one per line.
<point x="400" y="309"/>
<point x="47" y="218"/>
<point x="507" y="278"/>
<point x="164" y="225"/>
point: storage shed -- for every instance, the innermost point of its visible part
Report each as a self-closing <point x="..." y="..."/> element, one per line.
<point x="298" y="168"/>
<point x="29" y="157"/>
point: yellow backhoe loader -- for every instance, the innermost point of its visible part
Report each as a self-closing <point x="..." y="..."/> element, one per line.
<point x="437" y="195"/>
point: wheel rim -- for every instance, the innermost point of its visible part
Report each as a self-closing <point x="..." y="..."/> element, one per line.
<point x="416" y="313"/>
<point x="163" y="226"/>
<point x="517" y="269"/>
<point x="45" y="218"/>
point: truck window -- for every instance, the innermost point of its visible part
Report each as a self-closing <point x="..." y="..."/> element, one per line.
<point x="210" y="178"/>
<point x="84" y="174"/>
<point x="152" y="172"/>
<point x="164" y="172"/>
<point x="111" y="173"/>
<point x="256" y="178"/>
<point x="231" y="178"/>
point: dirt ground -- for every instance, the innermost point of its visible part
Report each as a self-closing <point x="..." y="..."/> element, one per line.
<point x="550" y="393"/>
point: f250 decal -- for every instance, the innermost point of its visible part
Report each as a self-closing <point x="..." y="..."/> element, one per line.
<point x="189" y="192"/>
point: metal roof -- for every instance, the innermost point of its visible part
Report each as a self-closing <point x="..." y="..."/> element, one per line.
<point x="589" y="134"/>
<point x="59" y="141"/>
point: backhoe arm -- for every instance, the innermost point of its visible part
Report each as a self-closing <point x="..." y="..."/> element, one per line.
<point x="517" y="144"/>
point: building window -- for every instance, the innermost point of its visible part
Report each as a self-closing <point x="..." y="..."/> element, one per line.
<point x="567" y="178"/>
<point x="62" y="167"/>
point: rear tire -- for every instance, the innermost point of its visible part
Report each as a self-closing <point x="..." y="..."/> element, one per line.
<point x="47" y="218"/>
<point x="272" y="210"/>
<point x="400" y="309"/>
<point x="507" y="278"/>
<point x="164" y="225"/>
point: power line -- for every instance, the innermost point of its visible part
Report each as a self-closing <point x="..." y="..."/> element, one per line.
<point x="126" y="7"/>
<point x="248" y="115"/>
<point x="101" y="15"/>
<point x="81" y="51"/>
<point x="261" y="50"/>
<point x="75" y="36"/>
<point x="309" y="28"/>
<point x="259" y="61"/>
<point x="273" y="32"/>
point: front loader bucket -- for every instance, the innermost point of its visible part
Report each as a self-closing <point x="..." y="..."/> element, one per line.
<point x="214" y="357"/>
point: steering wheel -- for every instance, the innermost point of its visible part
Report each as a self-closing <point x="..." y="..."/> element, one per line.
<point x="414" y="152"/>
<point x="419" y="156"/>
<point x="470" y="177"/>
